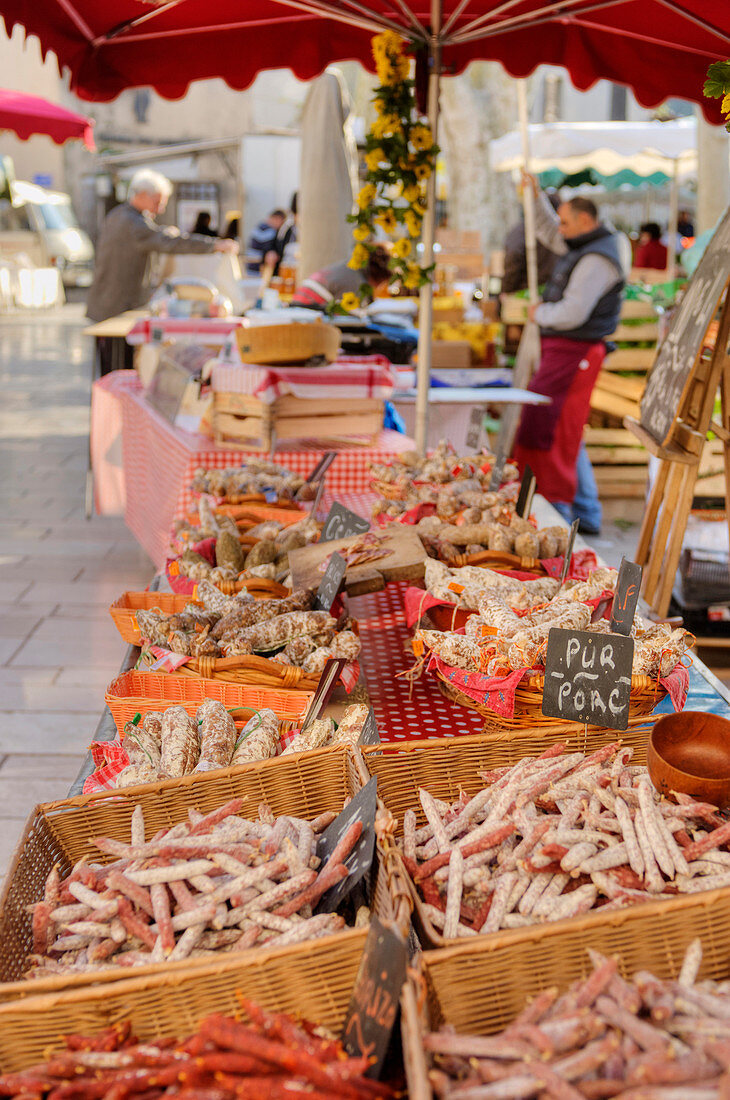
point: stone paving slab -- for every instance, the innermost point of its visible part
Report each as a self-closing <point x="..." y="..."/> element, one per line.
<point x="58" y="571"/>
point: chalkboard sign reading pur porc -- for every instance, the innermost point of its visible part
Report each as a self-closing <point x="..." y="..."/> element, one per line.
<point x="588" y="677"/>
<point x="369" y="735"/>
<point x="341" y="523"/>
<point x="682" y="345"/>
<point x="625" y="597"/>
<point x="375" y="999"/>
<point x="361" y="808"/>
<point x="497" y="472"/>
<point x="331" y="582"/>
<point x="527" y="492"/>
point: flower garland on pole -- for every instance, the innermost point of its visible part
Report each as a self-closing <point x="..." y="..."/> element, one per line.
<point x="400" y="155"/>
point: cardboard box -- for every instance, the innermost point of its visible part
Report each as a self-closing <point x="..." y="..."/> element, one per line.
<point x="451" y="353"/>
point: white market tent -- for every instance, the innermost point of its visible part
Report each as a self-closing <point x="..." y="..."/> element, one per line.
<point x="643" y="148"/>
<point x="608" y="147"/>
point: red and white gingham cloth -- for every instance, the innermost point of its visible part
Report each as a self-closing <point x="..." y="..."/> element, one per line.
<point x="346" y="379"/>
<point x="211" y="331"/>
<point x="159" y="460"/>
<point x="110" y="759"/>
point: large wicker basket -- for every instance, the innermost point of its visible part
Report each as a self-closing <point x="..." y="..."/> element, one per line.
<point x="480" y="986"/>
<point x="60" y="833"/>
<point x="646" y="694"/>
<point x="140" y="692"/>
<point x="313" y="981"/>
<point x="448" y="766"/>
<point x="124" y="609"/>
<point x="250" y="670"/>
<point x="285" y="344"/>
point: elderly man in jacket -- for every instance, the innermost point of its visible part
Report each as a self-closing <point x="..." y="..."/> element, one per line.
<point x="580" y="307"/>
<point x="128" y="238"/>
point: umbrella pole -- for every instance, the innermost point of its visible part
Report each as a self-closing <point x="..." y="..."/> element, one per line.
<point x="425" y="307"/>
<point x="528" y="199"/>
<point x="673" y="220"/>
<point x="528" y="352"/>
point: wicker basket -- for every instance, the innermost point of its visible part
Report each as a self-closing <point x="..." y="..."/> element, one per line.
<point x="479" y="988"/>
<point x="447" y="766"/>
<point x="314" y="981"/>
<point x="646" y="694"/>
<point x="285" y="344"/>
<point x="303" y="785"/>
<point x="123" y="610"/>
<point x="139" y="692"/>
<point x="250" y="670"/>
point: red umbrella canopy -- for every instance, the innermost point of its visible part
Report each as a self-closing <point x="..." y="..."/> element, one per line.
<point x="30" y="114"/>
<point x="659" y="48"/>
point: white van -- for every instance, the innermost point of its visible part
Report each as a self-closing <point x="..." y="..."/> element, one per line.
<point x="41" y="225"/>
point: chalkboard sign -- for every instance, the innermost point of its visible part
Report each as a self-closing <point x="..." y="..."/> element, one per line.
<point x="341" y="523"/>
<point x="569" y="551"/>
<point x="588" y="677"/>
<point x="331" y="582"/>
<point x="527" y="492"/>
<point x="679" y="353"/>
<point x="474" y="433"/>
<point x="375" y="999"/>
<point x="327" y="683"/>
<point x="370" y="734"/>
<point x="626" y="597"/>
<point x="361" y="808"/>
<point x="497" y="472"/>
<point x="322" y="466"/>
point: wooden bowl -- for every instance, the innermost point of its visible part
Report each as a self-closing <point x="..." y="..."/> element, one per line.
<point x="690" y="753"/>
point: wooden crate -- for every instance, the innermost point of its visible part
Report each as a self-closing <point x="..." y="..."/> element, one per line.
<point x="239" y="420"/>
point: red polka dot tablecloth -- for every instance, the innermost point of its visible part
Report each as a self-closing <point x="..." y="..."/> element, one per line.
<point x="403" y="711"/>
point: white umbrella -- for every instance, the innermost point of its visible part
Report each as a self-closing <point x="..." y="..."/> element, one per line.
<point x="328" y="169"/>
<point x="608" y="147"/>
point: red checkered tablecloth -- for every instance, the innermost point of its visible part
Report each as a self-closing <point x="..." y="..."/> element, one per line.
<point x="199" y="330"/>
<point x="158" y="461"/>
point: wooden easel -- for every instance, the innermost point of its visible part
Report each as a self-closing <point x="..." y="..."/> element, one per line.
<point x="670" y="500"/>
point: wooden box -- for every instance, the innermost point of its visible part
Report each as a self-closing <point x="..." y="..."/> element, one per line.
<point x="242" y="421"/>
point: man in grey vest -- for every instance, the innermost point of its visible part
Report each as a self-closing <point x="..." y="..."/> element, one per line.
<point x="128" y="238"/>
<point x="580" y="307"/>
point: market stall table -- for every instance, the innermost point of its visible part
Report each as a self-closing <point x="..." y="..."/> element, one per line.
<point x="143" y="465"/>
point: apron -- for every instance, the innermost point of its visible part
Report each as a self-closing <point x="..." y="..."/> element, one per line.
<point x="549" y="436"/>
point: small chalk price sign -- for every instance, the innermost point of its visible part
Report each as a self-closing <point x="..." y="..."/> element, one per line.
<point x="370" y="734"/>
<point x="626" y="597"/>
<point x="322" y="466"/>
<point x="376" y="996"/>
<point x="341" y="523"/>
<point x="527" y="492"/>
<point x="588" y="677"/>
<point x="331" y="582"/>
<point x="327" y="684"/>
<point x="569" y="551"/>
<point x="497" y="472"/>
<point x="361" y="808"/>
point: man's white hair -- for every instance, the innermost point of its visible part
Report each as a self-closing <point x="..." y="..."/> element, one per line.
<point x="148" y="182"/>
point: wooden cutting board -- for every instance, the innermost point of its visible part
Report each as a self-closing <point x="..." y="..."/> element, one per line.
<point x="405" y="561"/>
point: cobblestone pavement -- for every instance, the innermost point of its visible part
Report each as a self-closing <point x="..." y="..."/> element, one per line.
<point x="58" y="646"/>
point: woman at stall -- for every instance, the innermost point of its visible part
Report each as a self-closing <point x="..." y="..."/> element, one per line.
<point x="331" y="283"/>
